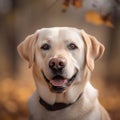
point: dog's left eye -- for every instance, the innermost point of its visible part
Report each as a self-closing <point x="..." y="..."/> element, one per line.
<point x="45" y="46"/>
<point x="72" y="46"/>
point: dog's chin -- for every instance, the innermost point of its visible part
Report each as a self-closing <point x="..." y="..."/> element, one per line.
<point x="59" y="83"/>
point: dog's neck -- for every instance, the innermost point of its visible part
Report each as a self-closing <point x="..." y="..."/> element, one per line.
<point x="56" y="106"/>
<point x="70" y="96"/>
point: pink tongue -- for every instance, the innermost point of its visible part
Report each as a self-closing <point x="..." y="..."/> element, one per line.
<point x="58" y="82"/>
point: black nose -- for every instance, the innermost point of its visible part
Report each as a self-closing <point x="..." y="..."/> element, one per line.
<point x="57" y="64"/>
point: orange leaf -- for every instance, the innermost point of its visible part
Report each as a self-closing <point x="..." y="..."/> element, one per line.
<point x="97" y="19"/>
<point x="66" y="4"/>
<point x="106" y="20"/>
<point x="77" y="3"/>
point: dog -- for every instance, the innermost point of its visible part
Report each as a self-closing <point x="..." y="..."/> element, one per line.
<point x="62" y="60"/>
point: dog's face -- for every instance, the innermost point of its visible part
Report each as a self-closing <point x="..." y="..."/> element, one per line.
<point x="59" y="55"/>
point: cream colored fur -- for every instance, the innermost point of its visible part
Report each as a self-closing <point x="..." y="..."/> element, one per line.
<point x="83" y="58"/>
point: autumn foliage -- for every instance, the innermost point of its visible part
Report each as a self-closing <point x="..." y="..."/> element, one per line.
<point x="90" y="16"/>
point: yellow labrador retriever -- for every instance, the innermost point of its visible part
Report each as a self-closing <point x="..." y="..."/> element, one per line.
<point x="62" y="60"/>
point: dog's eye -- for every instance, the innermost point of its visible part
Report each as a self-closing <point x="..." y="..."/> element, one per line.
<point x="45" y="46"/>
<point x="72" y="46"/>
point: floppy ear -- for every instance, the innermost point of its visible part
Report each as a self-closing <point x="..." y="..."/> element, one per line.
<point x="94" y="49"/>
<point x="26" y="49"/>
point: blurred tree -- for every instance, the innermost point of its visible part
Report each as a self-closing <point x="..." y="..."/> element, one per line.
<point x="113" y="57"/>
<point x="7" y="13"/>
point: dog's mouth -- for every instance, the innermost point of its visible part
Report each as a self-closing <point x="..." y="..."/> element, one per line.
<point x="59" y="83"/>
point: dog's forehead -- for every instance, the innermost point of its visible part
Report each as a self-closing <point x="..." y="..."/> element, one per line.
<point x="59" y="33"/>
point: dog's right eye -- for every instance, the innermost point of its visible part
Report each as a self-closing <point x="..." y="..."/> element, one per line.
<point x="45" y="46"/>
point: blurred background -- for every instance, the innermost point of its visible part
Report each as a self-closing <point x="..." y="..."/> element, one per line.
<point x="19" y="18"/>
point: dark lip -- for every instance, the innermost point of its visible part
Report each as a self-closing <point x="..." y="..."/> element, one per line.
<point x="70" y="81"/>
<point x="48" y="81"/>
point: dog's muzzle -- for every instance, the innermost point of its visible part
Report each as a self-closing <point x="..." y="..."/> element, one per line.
<point x="59" y="83"/>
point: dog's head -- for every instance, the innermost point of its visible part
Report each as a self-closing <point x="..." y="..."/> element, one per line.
<point x="60" y="55"/>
